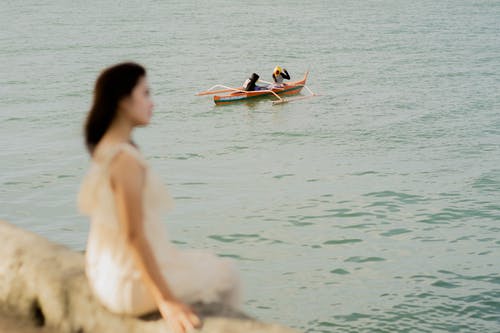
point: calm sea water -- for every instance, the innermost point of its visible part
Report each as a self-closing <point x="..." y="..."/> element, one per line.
<point x="373" y="208"/>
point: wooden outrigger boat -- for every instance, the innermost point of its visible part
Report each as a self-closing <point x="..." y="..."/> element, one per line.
<point x="238" y="94"/>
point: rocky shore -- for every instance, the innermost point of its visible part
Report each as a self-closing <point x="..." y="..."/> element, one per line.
<point x="44" y="284"/>
<point x="19" y="325"/>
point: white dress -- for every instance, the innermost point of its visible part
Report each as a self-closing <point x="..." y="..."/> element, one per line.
<point x="193" y="276"/>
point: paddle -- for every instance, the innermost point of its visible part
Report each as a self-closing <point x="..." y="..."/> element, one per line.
<point x="263" y="81"/>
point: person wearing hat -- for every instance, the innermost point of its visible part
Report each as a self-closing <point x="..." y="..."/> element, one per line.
<point x="250" y="83"/>
<point x="279" y="74"/>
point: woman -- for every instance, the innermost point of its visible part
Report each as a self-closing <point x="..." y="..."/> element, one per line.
<point x="131" y="266"/>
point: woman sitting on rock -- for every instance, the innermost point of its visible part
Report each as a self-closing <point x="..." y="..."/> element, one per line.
<point x="130" y="263"/>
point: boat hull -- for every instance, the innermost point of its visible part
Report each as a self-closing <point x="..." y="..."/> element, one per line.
<point x="291" y="88"/>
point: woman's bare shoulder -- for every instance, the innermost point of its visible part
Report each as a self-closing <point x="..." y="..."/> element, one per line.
<point x="126" y="162"/>
<point x="126" y="167"/>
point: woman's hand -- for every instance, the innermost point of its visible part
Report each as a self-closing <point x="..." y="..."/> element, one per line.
<point x="180" y="318"/>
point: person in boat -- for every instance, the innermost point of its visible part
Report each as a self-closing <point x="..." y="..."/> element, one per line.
<point x="251" y="83"/>
<point x="131" y="265"/>
<point x="279" y="75"/>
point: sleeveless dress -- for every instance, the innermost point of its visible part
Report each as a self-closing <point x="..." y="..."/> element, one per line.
<point x="193" y="276"/>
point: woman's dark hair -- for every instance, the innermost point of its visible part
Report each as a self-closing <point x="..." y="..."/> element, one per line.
<point x="114" y="83"/>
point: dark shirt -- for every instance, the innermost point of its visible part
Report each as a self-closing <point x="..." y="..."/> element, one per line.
<point x="284" y="75"/>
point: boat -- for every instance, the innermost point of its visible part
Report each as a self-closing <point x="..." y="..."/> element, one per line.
<point x="238" y="94"/>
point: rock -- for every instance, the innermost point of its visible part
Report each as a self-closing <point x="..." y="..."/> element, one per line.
<point x="46" y="283"/>
<point x="19" y="325"/>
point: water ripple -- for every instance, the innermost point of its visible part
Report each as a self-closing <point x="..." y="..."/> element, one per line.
<point x="364" y="259"/>
<point x="342" y="241"/>
<point x="243" y="238"/>
<point x="399" y="196"/>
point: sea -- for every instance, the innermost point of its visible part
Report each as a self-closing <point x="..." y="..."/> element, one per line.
<point x="372" y="207"/>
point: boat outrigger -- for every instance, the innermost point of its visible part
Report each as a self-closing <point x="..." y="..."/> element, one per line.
<point x="238" y="94"/>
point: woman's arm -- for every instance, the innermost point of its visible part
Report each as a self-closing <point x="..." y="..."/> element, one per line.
<point x="127" y="182"/>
